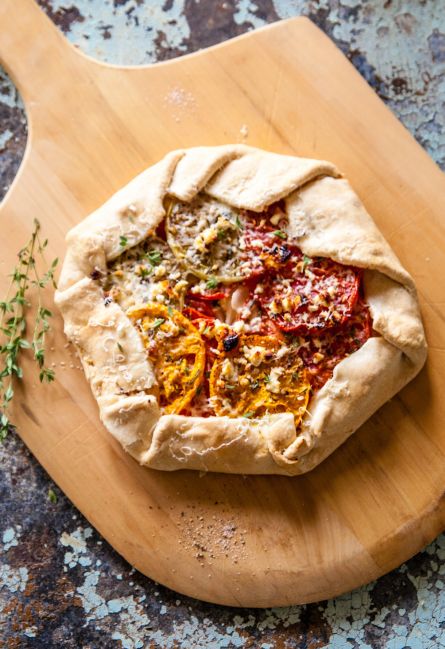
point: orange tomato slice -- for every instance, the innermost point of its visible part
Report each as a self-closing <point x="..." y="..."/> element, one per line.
<point x="176" y="350"/>
<point x="260" y="376"/>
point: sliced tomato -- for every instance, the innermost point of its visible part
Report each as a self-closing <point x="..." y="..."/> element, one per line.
<point x="321" y="355"/>
<point x="205" y="235"/>
<point x="217" y="295"/>
<point x="177" y="352"/>
<point x="217" y="292"/>
<point x="267" y="246"/>
<point x="193" y="314"/>
<point x="320" y="296"/>
<point x="204" y="307"/>
<point x="200" y="405"/>
<point x="249" y="379"/>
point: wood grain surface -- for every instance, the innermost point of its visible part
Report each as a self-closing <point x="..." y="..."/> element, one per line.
<point x="254" y="541"/>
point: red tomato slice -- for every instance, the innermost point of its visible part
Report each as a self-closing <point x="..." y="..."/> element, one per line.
<point x="319" y="296"/>
<point x="194" y="314"/>
<point x="266" y="246"/>
<point x="321" y="355"/>
<point x="220" y="295"/>
<point x="203" y="307"/>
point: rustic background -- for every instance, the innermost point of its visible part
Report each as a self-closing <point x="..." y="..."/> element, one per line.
<point x="60" y="584"/>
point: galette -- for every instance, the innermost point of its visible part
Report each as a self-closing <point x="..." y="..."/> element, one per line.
<point x="238" y="311"/>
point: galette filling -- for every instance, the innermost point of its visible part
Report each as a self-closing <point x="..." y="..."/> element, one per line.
<point x="237" y="321"/>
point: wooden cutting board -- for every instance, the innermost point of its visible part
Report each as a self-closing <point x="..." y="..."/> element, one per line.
<point x="243" y="541"/>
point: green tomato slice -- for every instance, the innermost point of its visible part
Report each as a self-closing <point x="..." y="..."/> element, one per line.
<point x="206" y="236"/>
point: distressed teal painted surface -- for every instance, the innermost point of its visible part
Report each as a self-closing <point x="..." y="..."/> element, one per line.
<point x="60" y="584"/>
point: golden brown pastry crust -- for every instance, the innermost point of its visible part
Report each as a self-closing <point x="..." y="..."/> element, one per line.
<point x="326" y="218"/>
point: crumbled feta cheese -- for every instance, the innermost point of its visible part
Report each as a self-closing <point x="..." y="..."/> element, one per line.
<point x="287" y="304"/>
<point x="273" y="385"/>
<point x="282" y="351"/>
<point x="224" y="224"/>
<point x="239" y="326"/>
<point x="245" y="313"/>
<point x="182" y="284"/>
<point x="227" y="369"/>
<point x="275" y="307"/>
<point x="255" y="355"/>
<point x="159" y="271"/>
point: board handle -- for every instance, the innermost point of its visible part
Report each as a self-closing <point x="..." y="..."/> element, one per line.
<point x="29" y="44"/>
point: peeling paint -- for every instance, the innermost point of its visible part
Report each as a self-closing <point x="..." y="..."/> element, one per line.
<point x="130" y="624"/>
<point x="14" y="579"/>
<point x="77" y="542"/>
<point x="126" y="32"/>
<point x="4" y="138"/>
<point x="10" y="538"/>
<point x="246" y="13"/>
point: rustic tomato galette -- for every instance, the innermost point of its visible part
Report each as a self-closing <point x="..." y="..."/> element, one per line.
<point x="238" y="311"/>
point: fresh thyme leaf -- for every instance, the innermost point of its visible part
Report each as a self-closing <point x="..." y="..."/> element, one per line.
<point x="123" y="241"/>
<point x="25" y="278"/>
<point x="248" y="415"/>
<point x="158" y="322"/>
<point x="254" y="385"/>
<point x="280" y="233"/>
<point x="47" y="375"/>
<point x="170" y="311"/>
<point x="238" y="223"/>
<point x="267" y="378"/>
<point x="212" y="283"/>
<point x="306" y="261"/>
<point x="52" y="496"/>
<point x="154" y="257"/>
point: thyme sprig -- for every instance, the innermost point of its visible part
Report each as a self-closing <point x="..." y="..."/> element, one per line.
<point x="13" y="328"/>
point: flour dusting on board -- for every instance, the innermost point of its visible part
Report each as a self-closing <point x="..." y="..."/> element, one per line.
<point x="180" y="101"/>
<point x="244" y="132"/>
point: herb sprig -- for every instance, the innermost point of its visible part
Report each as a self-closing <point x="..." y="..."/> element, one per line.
<point x="158" y="322"/>
<point x="13" y="327"/>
